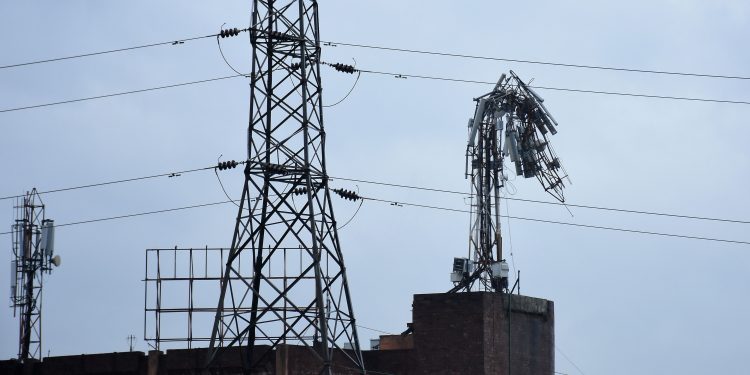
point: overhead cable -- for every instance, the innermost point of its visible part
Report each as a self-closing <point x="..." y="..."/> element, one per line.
<point x="220" y="166"/>
<point x="537" y="62"/>
<point x="231" y="32"/>
<point x="402" y="75"/>
<point x="119" y="93"/>
<point x="136" y="214"/>
<point x="222" y="34"/>
<point x="232" y="164"/>
<point x="548" y="202"/>
<point x="396" y="75"/>
<point x="403" y="203"/>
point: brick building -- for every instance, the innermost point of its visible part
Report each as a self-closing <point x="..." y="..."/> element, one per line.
<point x="462" y="333"/>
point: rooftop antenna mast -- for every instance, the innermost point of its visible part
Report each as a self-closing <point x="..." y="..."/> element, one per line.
<point x="286" y="204"/>
<point x="510" y="121"/>
<point x="33" y="255"/>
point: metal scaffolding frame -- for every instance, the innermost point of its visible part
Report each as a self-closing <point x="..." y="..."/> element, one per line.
<point x="178" y="280"/>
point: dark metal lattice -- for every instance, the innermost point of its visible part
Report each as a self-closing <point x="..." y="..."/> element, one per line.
<point x="33" y="245"/>
<point x="286" y="203"/>
<point x="511" y="121"/>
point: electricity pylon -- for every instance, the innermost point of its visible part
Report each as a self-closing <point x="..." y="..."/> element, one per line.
<point x="286" y="208"/>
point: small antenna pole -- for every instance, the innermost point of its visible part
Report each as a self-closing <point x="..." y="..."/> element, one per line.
<point x="131" y="340"/>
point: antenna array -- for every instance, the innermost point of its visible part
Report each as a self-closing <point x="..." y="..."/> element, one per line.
<point x="510" y="121"/>
<point x="33" y="255"/>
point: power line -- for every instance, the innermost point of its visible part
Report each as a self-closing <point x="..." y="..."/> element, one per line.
<point x="537" y="62"/>
<point x="548" y="203"/>
<point x="375" y="330"/>
<point x="140" y="214"/>
<point x="421" y="188"/>
<point x="402" y="203"/>
<point x="136" y="214"/>
<point x="169" y="174"/>
<point x="171" y="42"/>
<point x="398" y="75"/>
<point x="406" y="50"/>
<point x="119" y="93"/>
<point x="402" y="75"/>
<point x="569" y="360"/>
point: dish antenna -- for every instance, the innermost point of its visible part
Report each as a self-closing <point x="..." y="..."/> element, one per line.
<point x="510" y="121"/>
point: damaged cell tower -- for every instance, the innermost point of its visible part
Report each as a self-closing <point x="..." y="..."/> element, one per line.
<point x="33" y="255"/>
<point x="286" y="206"/>
<point x="509" y="121"/>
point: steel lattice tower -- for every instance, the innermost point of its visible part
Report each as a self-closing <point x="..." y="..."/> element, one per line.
<point x="33" y="246"/>
<point x="286" y="207"/>
<point x="510" y="121"/>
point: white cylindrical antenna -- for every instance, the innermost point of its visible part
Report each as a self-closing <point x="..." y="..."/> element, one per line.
<point x="48" y="237"/>
<point x="513" y="142"/>
<point x="20" y="239"/>
<point x="478" y="117"/>
<point x="499" y="120"/>
<point x="13" y="278"/>
<point x="506" y="149"/>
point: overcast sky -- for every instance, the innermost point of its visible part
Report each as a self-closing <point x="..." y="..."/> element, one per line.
<point x="624" y="303"/>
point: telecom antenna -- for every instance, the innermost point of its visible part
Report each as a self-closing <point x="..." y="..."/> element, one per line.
<point x="511" y="121"/>
<point x="33" y="255"/>
<point x="286" y="206"/>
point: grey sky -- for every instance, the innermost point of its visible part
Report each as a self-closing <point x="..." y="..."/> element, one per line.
<point x="625" y="303"/>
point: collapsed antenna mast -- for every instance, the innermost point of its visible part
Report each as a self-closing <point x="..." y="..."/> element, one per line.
<point x="33" y="255"/>
<point x="510" y="121"/>
<point x="286" y="204"/>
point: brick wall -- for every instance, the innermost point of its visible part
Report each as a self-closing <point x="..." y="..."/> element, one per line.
<point x="396" y="342"/>
<point x="462" y="333"/>
<point x="467" y="333"/>
<point x="448" y="332"/>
